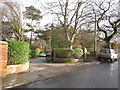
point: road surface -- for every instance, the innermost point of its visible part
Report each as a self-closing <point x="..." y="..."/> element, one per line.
<point x="104" y="75"/>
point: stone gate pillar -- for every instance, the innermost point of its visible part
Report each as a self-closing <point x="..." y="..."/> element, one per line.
<point x="3" y="56"/>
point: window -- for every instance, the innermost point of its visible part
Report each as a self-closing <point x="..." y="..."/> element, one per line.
<point x="105" y="51"/>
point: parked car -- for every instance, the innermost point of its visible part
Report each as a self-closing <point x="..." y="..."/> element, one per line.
<point x="42" y="55"/>
<point x="48" y="54"/>
<point x="107" y="54"/>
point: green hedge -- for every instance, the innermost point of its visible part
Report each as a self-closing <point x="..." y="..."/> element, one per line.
<point x="63" y="53"/>
<point x="78" y="52"/>
<point x="68" y="53"/>
<point x="18" y="52"/>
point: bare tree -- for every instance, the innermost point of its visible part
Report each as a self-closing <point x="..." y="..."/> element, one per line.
<point x="11" y="22"/>
<point x="108" y="19"/>
<point x="69" y="14"/>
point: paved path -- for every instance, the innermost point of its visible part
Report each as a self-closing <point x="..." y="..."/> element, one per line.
<point x="104" y="75"/>
<point x="40" y="70"/>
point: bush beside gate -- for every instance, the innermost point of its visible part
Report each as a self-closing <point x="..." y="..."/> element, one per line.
<point x="67" y="55"/>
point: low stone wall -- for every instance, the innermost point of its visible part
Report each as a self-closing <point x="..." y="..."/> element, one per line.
<point x="10" y="69"/>
<point x="62" y="60"/>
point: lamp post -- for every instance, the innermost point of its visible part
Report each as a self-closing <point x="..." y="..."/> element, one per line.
<point x="95" y="36"/>
<point x="52" y="48"/>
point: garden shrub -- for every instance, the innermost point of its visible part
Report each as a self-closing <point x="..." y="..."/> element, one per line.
<point x="18" y="52"/>
<point x="38" y="51"/>
<point x="78" y="52"/>
<point x="35" y="51"/>
<point x="63" y="53"/>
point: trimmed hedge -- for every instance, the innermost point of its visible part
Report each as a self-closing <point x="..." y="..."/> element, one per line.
<point x="78" y="52"/>
<point x="63" y="53"/>
<point x="68" y="53"/>
<point x="18" y="52"/>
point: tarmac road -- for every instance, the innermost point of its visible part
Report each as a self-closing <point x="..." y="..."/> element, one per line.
<point x="104" y="75"/>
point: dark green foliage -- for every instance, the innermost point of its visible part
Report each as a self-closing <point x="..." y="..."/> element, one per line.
<point x="45" y="35"/>
<point x="18" y="52"/>
<point x="59" y="39"/>
<point x="63" y="53"/>
<point x="78" y="52"/>
<point x="32" y="51"/>
<point x="32" y="13"/>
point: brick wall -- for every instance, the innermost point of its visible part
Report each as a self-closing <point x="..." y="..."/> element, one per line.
<point x="3" y="56"/>
<point x="10" y="69"/>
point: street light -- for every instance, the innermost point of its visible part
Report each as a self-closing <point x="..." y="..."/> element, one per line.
<point x="95" y="35"/>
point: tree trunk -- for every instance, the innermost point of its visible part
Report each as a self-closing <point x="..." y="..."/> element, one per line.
<point x="72" y="41"/>
<point x="31" y="39"/>
<point x="31" y="33"/>
<point x="70" y="45"/>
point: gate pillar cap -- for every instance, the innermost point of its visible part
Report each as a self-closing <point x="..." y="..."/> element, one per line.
<point x="3" y="42"/>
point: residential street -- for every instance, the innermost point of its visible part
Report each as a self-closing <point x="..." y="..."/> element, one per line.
<point x="60" y="44"/>
<point x="104" y="75"/>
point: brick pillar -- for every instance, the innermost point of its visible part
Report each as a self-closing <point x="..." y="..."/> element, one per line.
<point x="3" y="56"/>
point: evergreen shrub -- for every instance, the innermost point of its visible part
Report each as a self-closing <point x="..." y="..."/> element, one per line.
<point x="63" y="53"/>
<point x="18" y="52"/>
